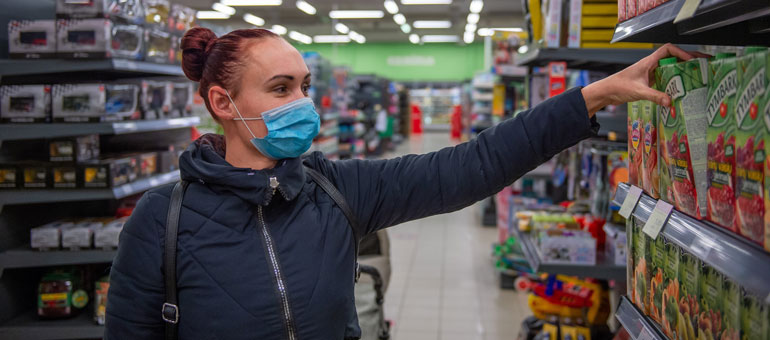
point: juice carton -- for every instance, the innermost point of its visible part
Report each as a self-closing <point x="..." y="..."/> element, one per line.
<point x="635" y="132"/>
<point x="710" y="318"/>
<point x="750" y="145"/>
<point x="670" y="300"/>
<point x="630" y="258"/>
<point x="650" y="175"/>
<point x="657" y="264"/>
<point x="641" y="271"/>
<point x="683" y="149"/>
<point x="764" y="107"/>
<point x="723" y="85"/>
<point x="689" y="294"/>
<point x="731" y="308"/>
<point x="753" y="317"/>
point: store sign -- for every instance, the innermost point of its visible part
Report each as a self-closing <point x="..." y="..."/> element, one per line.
<point x="411" y="60"/>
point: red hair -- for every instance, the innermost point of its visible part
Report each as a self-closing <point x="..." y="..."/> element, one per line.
<point x="217" y="61"/>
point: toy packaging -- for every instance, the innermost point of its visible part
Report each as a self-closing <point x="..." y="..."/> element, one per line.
<point x="147" y="163"/>
<point x="9" y="176"/>
<point x="126" y="11"/>
<point x="25" y="103"/>
<point x="635" y="155"/>
<point x="158" y="44"/>
<point x="682" y="131"/>
<point x="710" y="319"/>
<point x="109" y="172"/>
<point x="155" y="99"/>
<point x="83" y="38"/>
<point x="650" y="176"/>
<point x="107" y="237"/>
<point x="95" y="102"/>
<point x="127" y="41"/>
<point x="32" y="39"/>
<point x="64" y="176"/>
<point x="74" y="149"/>
<point x="182" y="99"/>
<point x="156" y="12"/>
<point x="182" y="18"/>
<point x="731" y="307"/>
<point x="35" y="175"/>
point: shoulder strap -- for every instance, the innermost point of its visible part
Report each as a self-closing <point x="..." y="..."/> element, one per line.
<point x="337" y="197"/>
<point x="170" y="311"/>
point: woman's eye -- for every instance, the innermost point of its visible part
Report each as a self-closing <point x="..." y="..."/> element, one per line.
<point x="305" y="88"/>
<point x="280" y="89"/>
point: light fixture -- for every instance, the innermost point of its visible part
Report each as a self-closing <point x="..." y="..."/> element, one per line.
<point x="473" y="18"/>
<point x="470" y="28"/>
<point x="278" y="29"/>
<point x="414" y="38"/>
<point x="508" y="29"/>
<point x="440" y="38"/>
<point x="468" y="37"/>
<point x="331" y="39"/>
<point x="211" y="15"/>
<point x="399" y="18"/>
<point x="406" y="28"/>
<point x="342" y="28"/>
<point x="356" y="14"/>
<point x="432" y="24"/>
<point x="223" y="8"/>
<point x="477" y="6"/>
<point x="523" y="49"/>
<point x="357" y="37"/>
<point x="426" y="2"/>
<point x="300" y="37"/>
<point x="253" y="19"/>
<point x="391" y="6"/>
<point x="486" y="32"/>
<point x="252" y="2"/>
<point x="306" y="7"/>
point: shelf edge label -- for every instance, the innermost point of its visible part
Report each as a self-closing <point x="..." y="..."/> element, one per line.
<point x="629" y="203"/>
<point x="657" y="219"/>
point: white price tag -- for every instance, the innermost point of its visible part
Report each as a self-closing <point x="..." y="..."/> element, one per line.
<point x="632" y="198"/>
<point x="657" y="219"/>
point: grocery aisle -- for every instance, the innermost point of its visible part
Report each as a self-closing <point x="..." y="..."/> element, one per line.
<point x="444" y="285"/>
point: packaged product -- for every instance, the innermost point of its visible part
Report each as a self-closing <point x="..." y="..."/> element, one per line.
<point x="723" y="85"/>
<point x="35" y="175"/>
<point x="182" y="18"/>
<point x="9" y="176"/>
<point x="683" y="126"/>
<point x="128" y="11"/>
<point x="641" y="270"/>
<point x="60" y="294"/>
<point x="631" y="8"/>
<point x="147" y="163"/>
<point x="83" y="38"/>
<point x="635" y="154"/>
<point x="100" y="299"/>
<point x="127" y="41"/>
<point x="631" y="258"/>
<point x="155" y="98"/>
<point x="31" y="39"/>
<point x="710" y="319"/>
<point x="64" y="176"/>
<point x="669" y="311"/>
<point x="95" y="102"/>
<point x="765" y="109"/>
<point x="108" y="237"/>
<point x="650" y="176"/>
<point x="74" y="149"/>
<point x="47" y="237"/>
<point x="156" y="12"/>
<point x="181" y="99"/>
<point x="109" y="172"/>
<point x="567" y="329"/>
<point x="658" y="283"/>
<point x="750" y="144"/>
<point x="551" y="327"/>
<point x="80" y="235"/>
<point x="25" y="103"/>
<point x="689" y="295"/>
<point x="753" y="317"/>
<point x="158" y="44"/>
<point x="731" y="306"/>
<point x="622" y="16"/>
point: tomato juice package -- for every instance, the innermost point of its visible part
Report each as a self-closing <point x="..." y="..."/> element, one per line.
<point x="635" y="155"/>
<point x="650" y="175"/>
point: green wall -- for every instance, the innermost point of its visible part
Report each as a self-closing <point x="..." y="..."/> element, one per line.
<point x="405" y="61"/>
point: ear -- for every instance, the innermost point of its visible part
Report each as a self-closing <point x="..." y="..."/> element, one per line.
<point x="220" y="104"/>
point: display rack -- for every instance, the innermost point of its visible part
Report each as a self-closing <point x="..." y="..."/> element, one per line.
<point x="32" y="258"/>
<point x="40" y="131"/>
<point x="595" y="59"/>
<point x="638" y="325"/>
<point x="26" y="67"/>
<point x="715" y="22"/>
<point x="29" y="327"/>
<point x="742" y="261"/>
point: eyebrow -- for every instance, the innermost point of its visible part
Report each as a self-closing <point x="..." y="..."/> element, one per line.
<point x="285" y="76"/>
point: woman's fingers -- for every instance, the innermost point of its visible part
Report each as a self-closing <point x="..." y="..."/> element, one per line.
<point x="670" y="50"/>
<point x="648" y="93"/>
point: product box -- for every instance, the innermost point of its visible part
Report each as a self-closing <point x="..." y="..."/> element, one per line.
<point x="657" y="264"/>
<point x="669" y="311"/>
<point x="689" y="295"/>
<point x="683" y="148"/>
<point x="635" y="154"/>
<point x="630" y="258"/>
<point x="182" y="99"/>
<point x="642" y="273"/>
<point x="723" y="85"/>
<point x="109" y="172"/>
<point x="753" y="317"/>
<point x="31" y="39"/>
<point x="9" y="176"/>
<point x="80" y="235"/>
<point x="576" y="11"/>
<point x="617" y="245"/>
<point x="168" y="160"/>
<point x="159" y="49"/>
<point x="622" y="15"/>
<point x="650" y="175"/>
<point x="64" y="176"/>
<point x="74" y="149"/>
<point x="563" y="246"/>
<point x="47" y="237"/>
<point x="631" y="8"/>
<point x="83" y="38"/>
<point x="750" y="144"/>
<point x="710" y="319"/>
<point x="108" y="237"/>
<point x="155" y="99"/>
<point x="35" y="175"/>
<point x="156" y="13"/>
<point x="25" y="103"/>
<point x="95" y="102"/>
<point x="732" y="298"/>
<point x="127" y="41"/>
<point x="182" y="18"/>
<point x="553" y="23"/>
<point x="127" y="11"/>
<point x="147" y="163"/>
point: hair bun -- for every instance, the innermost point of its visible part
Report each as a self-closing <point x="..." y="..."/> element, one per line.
<point x="196" y="45"/>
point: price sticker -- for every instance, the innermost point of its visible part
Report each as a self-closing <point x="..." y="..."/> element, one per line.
<point x="632" y="198"/>
<point x="657" y="219"/>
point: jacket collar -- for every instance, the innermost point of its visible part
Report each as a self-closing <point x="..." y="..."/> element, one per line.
<point x="204" y="162"/>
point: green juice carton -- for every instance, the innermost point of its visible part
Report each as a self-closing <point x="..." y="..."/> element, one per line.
<point x="657" y="265"/>
<point x="723" y="86"/>
<point x="683" y="180"/>
<point x="670" y="300"/>
<point x="689" y="295"/>
<point x="650" y="175"/>
<point x="753" y="317"/>
<point x="764" y="107"/>
<point x="641" y="271"/>
<point x="750" y="144"/>
<point x="635" y="155"/>
<point x="731" y="308"/>
<point x="630" y="258"/>
<point x="710" y="318"/>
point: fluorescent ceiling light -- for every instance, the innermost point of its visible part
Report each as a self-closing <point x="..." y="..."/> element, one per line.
<point x="342" y="28"/>
<point x="414" y="38"/>
<point x="477" y="6"/>
<point x="300" y="37"/>
<point x="426" y="2"/>
<point x="211" y="15"/>
<point x="508" y="29"/>
<point x="331" y="39"/>
<point x="253" y="19"/>
<point x="439" y="38"/>
<point x="470" y="28"/>
<point x="406" y="28"/>
<point x="473" y="18"/>
<point x="356" y="14"/>
<point x="468" y="37"/>
<point x="252" y="2"/>
<point x="391" y="6"/>
<point x="432" y="24"/>
<point x="306" y="7"/>
<point x="280" y="30"/>
<point x="357" y="37"/>
<point x="223" y="8"/>
<point x="486" y="32"/>
<point x="399" y="18"/>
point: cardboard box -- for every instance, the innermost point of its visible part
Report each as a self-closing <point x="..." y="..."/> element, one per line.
<point x="155" y="99"/>
<point x="10" y="176"/>
<point x="689" y="295"/>
<point x="576" y="12"/>
<point x="182" y="18"/>
<point x="182" y="99"/>
<point x="35" y="175"/>
<point x="148" y="164"/>
<point x="753" y="317"/>
<point x="95" y="102"/>
<point x="156" y="13"/>
<point x="642" y="272"/>
<point x="158" y="44"/>
<point x="74" y="149"/>
<point x="553" y="23"/>
<point x="31" y="39"/>
<point x="64" y="176"/>
<point x="635" y="151"/>
<point x="83" y="38"/>
<point x="658" y="281"/>
<point x="127" y="41"/>
<point x="731" y="307"/>
<point x="650" y="175"/>
<point x="712" y="286"/>
<point x="108" y="237"/>
<point x="48" y="236"/>
<point x="80" y="235"/>
<point x="25" y="103"/>
<point x="108" y="172"/>
<point x="130" y="11"/>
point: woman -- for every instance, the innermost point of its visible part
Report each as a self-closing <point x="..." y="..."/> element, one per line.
<point x="263" y="252"/>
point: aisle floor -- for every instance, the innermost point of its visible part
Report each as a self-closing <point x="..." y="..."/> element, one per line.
<point x="444" y="285"/>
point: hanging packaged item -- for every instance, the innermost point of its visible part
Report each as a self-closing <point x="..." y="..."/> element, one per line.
<point x="31" y="39"/>
<point x="156" y="99"/>
<point x="635" y="155"/>
<point x="95" y="102"/>
<point x="60" y="294"/>
<point x="25" y="103"/>
<point x="181" y="99"/>
<point x="182" y="18"/>
<point x="156" y="12"/>
<point x="100" y="299"/>
<point x="74" y="149"/>
<point x="9" y="176"/>
<point x="64" y="176"/>
<point x="147" y="163"/>
<point x="650" y="175"/>
<point x="158" y="44"/>
<point x="127" y="11"/>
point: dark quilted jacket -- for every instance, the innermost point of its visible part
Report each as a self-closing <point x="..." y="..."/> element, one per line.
<point x="257" y="264"/>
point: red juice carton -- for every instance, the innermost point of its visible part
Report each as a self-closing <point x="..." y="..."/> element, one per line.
<point x="631" y="7"/>
<point x="750" y="144"/>
<point x="682" y="131"/>
<point x="635" y="155"/>
<point x="723" y="86"/>
<point x="650" y="175"/>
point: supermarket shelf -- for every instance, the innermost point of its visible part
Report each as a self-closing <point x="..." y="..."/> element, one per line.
<point x="602" y="269"/>
<point x="32" y="258"/>
<point x="21" y="67"/>
<point x="638" y="325"/>
<point x="712" y="244"/>
<point x="29" y="327"/>
<point x="39" y="131"/>
<point x="716" y="22"/>
<point x="8" y="197"/>
<point x="598" y="59"/>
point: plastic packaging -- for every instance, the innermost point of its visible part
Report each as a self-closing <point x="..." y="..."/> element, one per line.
<point x="25" y="103"/>
<point x="31" y="39"/>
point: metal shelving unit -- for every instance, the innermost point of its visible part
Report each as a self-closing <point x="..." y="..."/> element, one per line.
<point x="638" y="325"/>
<point x="39" y="131"/>
<point x="740" y="260"/>
<point x="598" y="59"/>
<point x="22" y="67"/>
<point x="29" y="327"/>
<point x="32" y="258"/>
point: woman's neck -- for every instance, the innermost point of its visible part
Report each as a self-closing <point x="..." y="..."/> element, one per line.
<point x="241" y="153"/>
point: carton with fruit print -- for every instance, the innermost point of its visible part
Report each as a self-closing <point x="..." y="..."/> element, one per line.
<point x="710" y="318"/>
<point x="683" y="177"/>
<point x="635" y="135"/>
<point x="753" y="317"/>
<point x="657" y="266"/>
<point x="723" y="86"/>
<point x="731" y="310"/>
<point x="689" y="294"/>
<point x="641" y="271"/>
<point x="650" y="175"/>
<point x="764" y="108"/>
<point x="671" y="294"/>
<point x="630" y="258"/>
<point x="750" y="145"/>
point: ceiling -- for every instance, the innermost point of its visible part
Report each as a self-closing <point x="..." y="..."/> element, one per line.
<point x="496" y="13"/>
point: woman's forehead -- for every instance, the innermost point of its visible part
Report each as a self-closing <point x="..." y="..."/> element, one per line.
<point x="271" y="57"/>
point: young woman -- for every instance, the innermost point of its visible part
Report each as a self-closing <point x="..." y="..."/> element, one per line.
<point x="264" y="252"/>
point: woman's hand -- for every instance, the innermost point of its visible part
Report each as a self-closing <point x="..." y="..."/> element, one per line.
<point x="633" y="83"/>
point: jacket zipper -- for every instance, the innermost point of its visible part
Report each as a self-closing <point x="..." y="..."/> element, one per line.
<point x="273" y="258"/>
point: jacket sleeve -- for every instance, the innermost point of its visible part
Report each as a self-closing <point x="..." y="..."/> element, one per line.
<point x="384" y="193"/>
<point x="136" y="292"/>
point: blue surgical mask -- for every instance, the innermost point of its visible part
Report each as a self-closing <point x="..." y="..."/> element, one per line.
<point x="290" y="129"/>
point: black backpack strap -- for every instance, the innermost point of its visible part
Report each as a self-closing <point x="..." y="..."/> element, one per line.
<point x="170" y="311"/>
<point x="332" y="191"/>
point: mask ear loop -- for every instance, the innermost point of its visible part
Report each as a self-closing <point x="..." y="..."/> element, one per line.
<point x="241" y="116"/>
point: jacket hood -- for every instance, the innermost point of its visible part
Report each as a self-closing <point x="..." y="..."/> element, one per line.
<point x="204" y="162"/>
